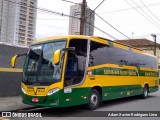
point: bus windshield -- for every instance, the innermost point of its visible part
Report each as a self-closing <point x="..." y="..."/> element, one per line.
<point x="39" y="68"/>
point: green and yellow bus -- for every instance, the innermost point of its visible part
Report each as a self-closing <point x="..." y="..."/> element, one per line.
<point x="71" y="70"/>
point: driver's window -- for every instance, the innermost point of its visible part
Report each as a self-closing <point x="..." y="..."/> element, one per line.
<point x="76" y="62"/>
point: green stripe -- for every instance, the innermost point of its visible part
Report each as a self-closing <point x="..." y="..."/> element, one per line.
<point x="153" y="89"/>
<point x="80" y="96"/>
<point x="77" y="97"/>
<point x="148" y="73"/>
<point x="123" y="72"/>
<point x="114" y="92"/>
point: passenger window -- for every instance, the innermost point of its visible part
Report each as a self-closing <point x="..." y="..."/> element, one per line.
<point x="97" y="54"/>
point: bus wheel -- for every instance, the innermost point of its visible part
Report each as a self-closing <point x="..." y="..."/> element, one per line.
<point x="145" y="92"/>
<point x="94" y="100"/>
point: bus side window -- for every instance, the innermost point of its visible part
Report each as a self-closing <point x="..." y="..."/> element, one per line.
<point x="97" y="53"/>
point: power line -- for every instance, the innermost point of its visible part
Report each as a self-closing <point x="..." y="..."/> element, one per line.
<point x="150" y="10"/>
<point x="57" y="13"/>
<point x="94" y="9"/>
<point x="101" y="30"/>
<point x="71" y="2"/>
<point x="142" y="14"/>
<point x="42" y="9"/>
<point x="112" y="26"/>
<point x="121" y="10"/>
<point x="90" y="15"/>
<point x="51" y="19"/>
<point x="145" y="13"/>
<point x="84" y="17"/>
<point x="104" y="21"/>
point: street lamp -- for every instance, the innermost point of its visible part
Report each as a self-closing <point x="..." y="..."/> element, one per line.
<point x="154" y="36"/>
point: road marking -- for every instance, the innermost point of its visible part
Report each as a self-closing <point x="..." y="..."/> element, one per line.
<point x="11" y="70"/>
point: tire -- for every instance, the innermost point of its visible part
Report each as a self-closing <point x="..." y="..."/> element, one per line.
<point x="94" y="100"/>
<point x="145" y="92"/>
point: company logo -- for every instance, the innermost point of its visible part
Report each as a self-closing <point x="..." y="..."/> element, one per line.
<point x="35" y="91"/>
<point x="6" y="114"/>
<point x="17" y="114"/>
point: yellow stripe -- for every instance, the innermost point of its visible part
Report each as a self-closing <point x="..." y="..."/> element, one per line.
<point x="111" y="66"/>
<point x="137" y="51"/>
<point x="11" y="70"/>
<point x="120" y="46"/>
<point x="103" y="81"/>
<point x="61" y="37"/>
<point x="98" y="66"/>
<point x="96" y="39"/>
<point x="149" y="69"/>
<point x="117" y="66"/>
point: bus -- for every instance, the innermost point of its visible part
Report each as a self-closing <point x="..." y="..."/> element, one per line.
<point x="63" y="71"/>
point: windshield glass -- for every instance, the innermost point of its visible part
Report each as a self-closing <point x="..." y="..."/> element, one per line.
<point x="39" y="67"/>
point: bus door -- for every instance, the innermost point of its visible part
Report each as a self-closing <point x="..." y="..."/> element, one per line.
<point x="75" y="72"/>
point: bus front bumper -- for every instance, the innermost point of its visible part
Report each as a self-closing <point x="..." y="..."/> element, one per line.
<point x="54" y="100"/>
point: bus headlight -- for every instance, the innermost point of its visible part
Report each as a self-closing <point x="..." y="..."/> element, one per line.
<point x="53" y="91"/>
<point x="23" y="90"/>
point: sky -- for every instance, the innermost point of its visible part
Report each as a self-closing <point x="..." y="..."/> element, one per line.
<point x="134" y="23"/>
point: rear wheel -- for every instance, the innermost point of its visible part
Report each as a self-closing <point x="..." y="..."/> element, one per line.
<point x="94" y="100"/>
<point x="145" y="92"/>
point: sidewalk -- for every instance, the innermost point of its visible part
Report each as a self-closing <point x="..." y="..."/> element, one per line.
<point x="12" y="103"/>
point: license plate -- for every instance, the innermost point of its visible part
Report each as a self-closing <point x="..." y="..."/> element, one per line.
<point x="35" y="99"/>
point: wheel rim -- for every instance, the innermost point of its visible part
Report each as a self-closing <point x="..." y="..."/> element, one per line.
<point x="94" y="99"/>
<point x="145" y="92"/>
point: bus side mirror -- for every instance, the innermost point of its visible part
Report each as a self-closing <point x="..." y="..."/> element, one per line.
<point x="13" y="61"/>
<point x="56" y="57"/>
<point x="57" y="54"/>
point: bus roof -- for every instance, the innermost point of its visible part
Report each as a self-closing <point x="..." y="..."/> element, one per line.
<point x="101" y="39"/>
<point x="118" y="43"/>
<point x="133" y="48"/>
<point x="59" y="37"/>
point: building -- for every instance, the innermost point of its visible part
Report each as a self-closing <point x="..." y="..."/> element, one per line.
<point x="74" y="23"/>
<point x="17" y="21"/>
<point x="144" y="44"/>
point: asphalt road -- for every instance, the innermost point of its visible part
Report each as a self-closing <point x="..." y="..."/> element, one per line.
<point x="152" y="103"/>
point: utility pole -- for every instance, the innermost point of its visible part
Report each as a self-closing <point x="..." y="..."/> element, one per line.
<point x="82" y="19"/>
<point x="155" y="43"/>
